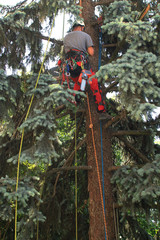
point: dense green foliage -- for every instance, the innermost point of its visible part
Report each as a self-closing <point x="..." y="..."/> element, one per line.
<point x="132" y="67"/>
<point x="137" y="70"/>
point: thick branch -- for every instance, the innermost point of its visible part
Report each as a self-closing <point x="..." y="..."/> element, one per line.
<point x="63" y="114"/>
<point x="109" y="45"/>
<point x="115" y="53"/>
<point x="108" y="89"/>
<point x="39" y="35"/>
<point x="60" y="108"/>
<point x="136" y="151"/>
<point x="72" y="168"/>
<point x="36" y="34"/>
<point x="131" y="132"/>
<point x="104" y="2"/>
<point x="113" y="168"/>
<point x="158" y="133"/>
<point x="68" y="161"/>
<point x="115" y="119"/>
<point x="155" y="121"/>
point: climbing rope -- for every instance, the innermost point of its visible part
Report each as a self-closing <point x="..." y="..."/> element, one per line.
<point x="80" y="4"/>
<point x="100" y="47"/>
<point x="28" y="111"/>
<point x="98" y="174"/>
<point x="144" y="12"/>
<point x="99" y="64"/>
<point x="102" y="172"/>
<point x="63" y="24"/>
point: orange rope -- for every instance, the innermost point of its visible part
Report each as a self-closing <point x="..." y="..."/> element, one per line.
<point x="98" y="174"/>
<point x="80" y="4"/>
<point x="144" y="12"/>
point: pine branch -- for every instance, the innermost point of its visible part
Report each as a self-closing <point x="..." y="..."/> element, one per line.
<point x="109" y="45"/>
<point x="122" y="115"/>
<point x="35" y="33"/>
<point x="68" y="162"/>
<point x="158" y="133"/>
<point x="114" y="168"/>
<point x="110" y="87"/>
<point x="70" y="157"/>
<point x="18" y="125"/>
<point x="73" y="141"/>
<point x="10" y="149"/>
<point x="134" y="225"/>
<point x="136" y="151"/>
<point x="10" y="9"/>
<point x="155" y="121"/>
<point x="115" y="53"/>
<point x="72" y="168"/>
<point x="69" y="112"/>
<point x="103" y="2"/>
<point x="19" y="5"/>
<point x="63" y="114"/>
<point x="59" y="108"/>
<point x="131" y="132"/>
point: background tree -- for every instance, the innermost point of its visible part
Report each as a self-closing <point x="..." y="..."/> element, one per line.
<point x="130" y="69"/>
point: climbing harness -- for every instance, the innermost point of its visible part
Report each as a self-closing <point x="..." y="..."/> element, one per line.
<point x="81" y="76"/>
<point x="75" y="58"/>
<point x="73" y="66"/>
<point x="22" y="136"/>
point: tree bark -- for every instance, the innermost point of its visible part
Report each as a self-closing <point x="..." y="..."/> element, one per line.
<point x="98" y="224"/>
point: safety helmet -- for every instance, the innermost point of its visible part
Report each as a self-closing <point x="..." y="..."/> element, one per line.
<point x="78" y="23"/>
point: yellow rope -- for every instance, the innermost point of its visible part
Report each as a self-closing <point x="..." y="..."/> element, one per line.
<point x="63" y="24"/>
<point x="22" y="136"/>
<point x="76" y="211"/>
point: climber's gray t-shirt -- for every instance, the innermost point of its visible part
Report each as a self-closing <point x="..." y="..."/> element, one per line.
<point x="77" y="40"/>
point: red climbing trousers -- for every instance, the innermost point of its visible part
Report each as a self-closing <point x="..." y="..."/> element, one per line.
<point x="75" y="61"/>
<point x="93" y="83"/>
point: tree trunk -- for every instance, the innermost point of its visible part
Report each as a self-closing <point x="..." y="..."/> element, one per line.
<point x="91" y="27"/>
<point x="97" y="221"/>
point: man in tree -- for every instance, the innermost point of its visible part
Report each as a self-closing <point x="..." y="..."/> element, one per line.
<point x="78" y="45"/>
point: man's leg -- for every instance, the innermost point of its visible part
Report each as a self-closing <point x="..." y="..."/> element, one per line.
<point x="76" y="88"/>
<point x="97" y="95"/>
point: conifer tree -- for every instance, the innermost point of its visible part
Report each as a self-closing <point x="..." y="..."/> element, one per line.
<point x="130" y="70"/>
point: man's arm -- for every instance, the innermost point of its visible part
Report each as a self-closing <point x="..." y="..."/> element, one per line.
<point x="90" y="51"/>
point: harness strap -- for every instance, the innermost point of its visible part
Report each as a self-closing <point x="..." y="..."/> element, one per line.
<point x="77" y="50"/>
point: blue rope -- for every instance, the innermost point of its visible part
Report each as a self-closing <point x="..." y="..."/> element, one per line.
<point x="99" y="64"/>
<point x="102" y="172"/>
<point x="100" y="47"/>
